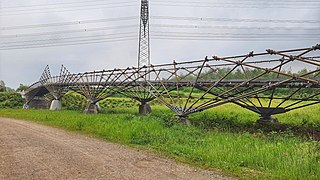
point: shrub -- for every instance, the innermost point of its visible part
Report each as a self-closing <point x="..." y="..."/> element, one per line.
<point x="73" y="101"/>
<point x="11" y="100"/>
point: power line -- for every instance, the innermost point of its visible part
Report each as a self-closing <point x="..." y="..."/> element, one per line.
<point x="68" y="44"/>
<point x="210" y="2"/>
<point x="235" y="6"/>
<point x="179" y="34"/>
<point x="84" y="30"/>
<point x="274" y="1"/>
<point x="165" y="25"/>
<point x="264" y="3"/>
<point x="69" y="23"/>
<point x="233" y="27"/>
<point x="212" y="37"/>
<point x="135" y="38"/>
<point x="161" y="26"/>
<point x="68" y="31"/>
<point x="237" y="20"/>
<point x="243" y="39"/>
<point x="55" y="8"/>
<point x="252" y="1"/>
<point x="71" y="38"/>
<point x="71" y="9"/>
<point x="162" y="1"/>
<point x="240" y="34"/>
<point x="52" y="4"/>
<point x="233" y="35"/>
<point x="157" y="37"/>
<point x="187" y="36"/>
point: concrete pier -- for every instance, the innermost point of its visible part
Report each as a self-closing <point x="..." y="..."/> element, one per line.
<point x="144" y="108"/>
<point x="91" y="108"/>
<point x="55" y="105"/>
<point x="267" y="119"/>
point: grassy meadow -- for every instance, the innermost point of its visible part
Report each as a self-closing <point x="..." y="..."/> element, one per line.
<point x="225" y="138"/>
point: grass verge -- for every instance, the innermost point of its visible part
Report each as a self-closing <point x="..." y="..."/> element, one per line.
<point x="241" y="154"/>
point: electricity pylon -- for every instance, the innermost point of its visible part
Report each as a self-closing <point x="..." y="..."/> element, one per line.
<point x="144" y="40"/>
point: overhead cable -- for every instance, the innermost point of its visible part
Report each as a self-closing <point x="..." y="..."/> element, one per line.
<point x="68" y="23"/>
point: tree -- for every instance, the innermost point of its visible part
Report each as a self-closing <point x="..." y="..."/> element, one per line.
<point x="2" y="83"/>
<point x="2" y="86"/>
<point x="8" y="89"/>
<point x="22" y="88"/>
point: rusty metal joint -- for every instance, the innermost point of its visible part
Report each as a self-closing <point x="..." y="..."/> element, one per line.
<point x="216" y="58"/>
<point x="316" y="47"/>
<point x="267" y="70"/>
<point x="292" y="58"/>
<point x="250" y="54"/>
<point x="238" y="63"/>
<point x="271" y="52"/>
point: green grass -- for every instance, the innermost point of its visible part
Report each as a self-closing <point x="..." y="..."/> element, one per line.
<point x="237" y="153"/>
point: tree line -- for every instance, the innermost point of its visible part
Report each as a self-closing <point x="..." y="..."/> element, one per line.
<point x="243" y="73"/>
<point x="4" y="88"/>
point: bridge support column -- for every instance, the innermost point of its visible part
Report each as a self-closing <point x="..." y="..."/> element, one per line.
<point x="92" y="108"/>
<point x="55" y="105"/>
<point x="183" y="119"/>
<point x="144" y="108"/>
<point x="267" y="119"/>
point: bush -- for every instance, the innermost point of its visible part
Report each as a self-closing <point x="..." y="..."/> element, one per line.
<point x="118" y="103"/>
<point x="11" y="100"/>
<point x="73" y="101"/>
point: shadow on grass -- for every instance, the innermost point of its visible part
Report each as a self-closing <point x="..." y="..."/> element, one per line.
<point x="233" y="125"/>
<point x="243" y="122"/>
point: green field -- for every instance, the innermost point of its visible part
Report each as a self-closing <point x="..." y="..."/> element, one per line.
<point x="225" y="138"/>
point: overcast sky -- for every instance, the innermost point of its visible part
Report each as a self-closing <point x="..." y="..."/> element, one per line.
<point x="26" y="65"/>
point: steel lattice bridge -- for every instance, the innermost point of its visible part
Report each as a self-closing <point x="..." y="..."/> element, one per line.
<point x="267" y="83"/>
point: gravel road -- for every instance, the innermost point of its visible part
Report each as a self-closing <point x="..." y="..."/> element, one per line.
<point x="32" y="151"/>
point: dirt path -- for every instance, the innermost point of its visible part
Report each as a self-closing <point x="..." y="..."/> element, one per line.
<point x="32" y="151"/>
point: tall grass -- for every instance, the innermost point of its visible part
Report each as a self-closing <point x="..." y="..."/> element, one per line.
<point x="242" y="154"/>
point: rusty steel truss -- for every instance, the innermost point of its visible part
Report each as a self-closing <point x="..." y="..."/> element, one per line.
<point x="268" y="83"/>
